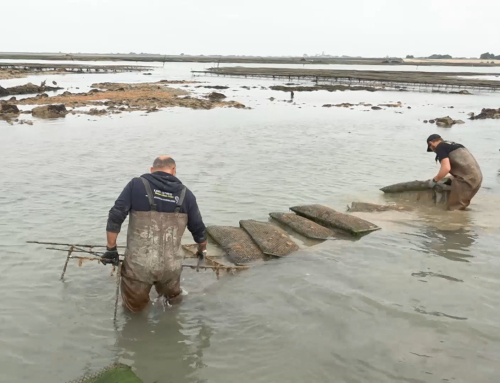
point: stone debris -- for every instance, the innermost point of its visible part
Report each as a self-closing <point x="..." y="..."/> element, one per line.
<point x="371" y="207"/>
<point x="215" y="96"/>
<point x="447" y="121"/>
<point x="22" y="122"/>
<point x="97" y="112"/>
<point x="8" y="112"/>
<point x="486" y="113"/>
<point x="148" y="97"/>
<point x="212" y="87"/>
<point x="396" y="105"/>
<point x="343" y="105"/>
<point x="9" y="109"/>
<point x="50" y="111"/>
<point x="28" y="89"/>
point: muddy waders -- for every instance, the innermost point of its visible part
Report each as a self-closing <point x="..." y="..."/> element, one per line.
<point x="467" y="179"/>
<point x="153" y="256"/>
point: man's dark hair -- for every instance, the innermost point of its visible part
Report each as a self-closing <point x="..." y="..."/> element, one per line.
<point x="161" y="163"/>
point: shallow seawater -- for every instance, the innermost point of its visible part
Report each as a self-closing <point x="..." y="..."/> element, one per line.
<point x="416" y="301"/>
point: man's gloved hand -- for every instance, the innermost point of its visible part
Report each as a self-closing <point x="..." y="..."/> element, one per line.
<point x="442" y="186"/>
<point x="431" y="183"/>
<point x="201" y="257"/>
<point x="110" y="256"/>
<point x="201" y="254"/>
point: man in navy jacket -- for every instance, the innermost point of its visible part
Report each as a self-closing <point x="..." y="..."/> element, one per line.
<point x="160" y="208"/>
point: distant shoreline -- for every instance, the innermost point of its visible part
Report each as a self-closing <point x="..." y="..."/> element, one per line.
<point x="247" y="59"/>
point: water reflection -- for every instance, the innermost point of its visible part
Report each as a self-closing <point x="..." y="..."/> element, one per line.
<point x="424" y="274"/>
<point x="168" y="348"/>
<point x="452" y="237"/>
<point x="438" y="314"/>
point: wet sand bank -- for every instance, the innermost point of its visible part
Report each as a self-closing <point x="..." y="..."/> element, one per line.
<point x="114" y="98"/>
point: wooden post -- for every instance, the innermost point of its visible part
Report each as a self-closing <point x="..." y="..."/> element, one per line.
<point x="117" y="296"/>
<point x="66" y="263"/>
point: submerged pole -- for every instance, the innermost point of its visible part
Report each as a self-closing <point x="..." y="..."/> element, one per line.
<point x="65" y="244"/>
<point x="66" y="263"/>
<point x="118" y="279"/>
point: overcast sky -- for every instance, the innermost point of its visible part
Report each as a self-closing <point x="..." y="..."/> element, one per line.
<point x="375" y="28"/>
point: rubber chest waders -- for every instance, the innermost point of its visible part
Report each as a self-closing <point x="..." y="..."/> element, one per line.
<point x="467" y="179"/>
<point x="153" y="255"/>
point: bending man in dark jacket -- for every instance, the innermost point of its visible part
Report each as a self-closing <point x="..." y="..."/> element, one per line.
<point x="461" y="164"/>
<point x="160" y="208"/>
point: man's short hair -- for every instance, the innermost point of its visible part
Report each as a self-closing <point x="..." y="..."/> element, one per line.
<point x="163" y="163"/>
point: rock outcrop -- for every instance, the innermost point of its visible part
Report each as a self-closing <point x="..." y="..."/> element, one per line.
<point x="444" y="121"/>
<point x="3" y="92"/>
<point x="486" y="114"/>
<point x="97" y="112"/>
<point x="9" y="109"/>
<point x="9" y="113"/>
<point x="215" y="96"/>
<point x="129" y="97"/>
<point x="30" y="88"/>
<point x="212" y="86"/>
<point x="50" y="111"/>
<point x="447" y="121"/>
<point x="343" y="105"/>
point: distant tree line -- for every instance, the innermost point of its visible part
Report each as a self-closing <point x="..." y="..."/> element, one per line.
<point x="489" y="56"/>
<point x="437" y="57"/>
<point x="440" y="57"/>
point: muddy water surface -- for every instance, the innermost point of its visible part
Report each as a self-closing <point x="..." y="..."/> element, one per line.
<point x="414" y="302"/>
